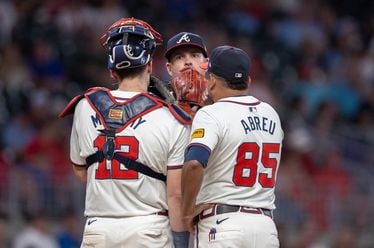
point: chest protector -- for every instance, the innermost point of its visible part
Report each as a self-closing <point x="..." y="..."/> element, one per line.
<point x="116" y="116"/>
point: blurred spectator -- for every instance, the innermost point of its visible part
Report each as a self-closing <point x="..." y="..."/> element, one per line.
<point x="298" y="131"/>
<point x="44" y="60"/>
<point x="336" y="184"/>
<point x="4" y="231"/>
<point x="18" y="133"/>
<point x="325" y="122"/>
<point x="70" y="234"/>
<point x="363" y="124"/>
<point x="346" y="237"/>
<point x="4" y="180"/>
<point x="8" y="16"/>
<point x="15" y="81"/>
<point x="36" y="233"/>
<point x="104" y="13"/>
<point x="49" y="164"/>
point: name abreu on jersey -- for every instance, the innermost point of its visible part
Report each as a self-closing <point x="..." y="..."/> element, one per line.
<point x="255" y="123"/>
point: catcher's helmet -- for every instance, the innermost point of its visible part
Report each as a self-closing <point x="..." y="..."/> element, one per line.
<point x="130" y="43"/>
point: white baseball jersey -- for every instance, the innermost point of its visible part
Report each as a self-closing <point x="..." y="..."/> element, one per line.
<point x="155" y="139"/>
<point x="244" y="137"/>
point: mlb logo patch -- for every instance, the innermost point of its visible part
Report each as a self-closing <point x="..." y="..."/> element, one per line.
<point x="198" y="133"/>
<point x="115" y="114"/>
<point x="252" y="109"/>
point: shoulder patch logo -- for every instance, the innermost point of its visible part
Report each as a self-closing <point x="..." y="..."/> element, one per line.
<point x="198" y="133"/>
<point x="115" y="114"/>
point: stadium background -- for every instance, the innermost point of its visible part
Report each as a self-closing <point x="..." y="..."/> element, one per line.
<point x="312" y="60"/>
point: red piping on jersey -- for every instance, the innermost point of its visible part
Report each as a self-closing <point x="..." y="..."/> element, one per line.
<point x="200" y="145"/>
<point x="175" y="167"/>
<point x="242" y="103"/>
<point x="69" y="109"/>
<point x="177" y="116"/>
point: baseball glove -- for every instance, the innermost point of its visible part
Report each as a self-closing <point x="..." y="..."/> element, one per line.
<point x="190" y="90"/>
<point x="161" y="89"/>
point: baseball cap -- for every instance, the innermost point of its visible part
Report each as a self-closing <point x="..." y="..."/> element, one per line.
<point x="230" y="63"/>
<point x="184" y="39"/>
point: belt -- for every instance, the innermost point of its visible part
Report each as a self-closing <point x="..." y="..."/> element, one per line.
<point x="163" y="213"/>
<point x="223" y="208"/>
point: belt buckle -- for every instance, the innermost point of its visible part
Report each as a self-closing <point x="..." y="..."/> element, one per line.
<point x="250" y="210"/>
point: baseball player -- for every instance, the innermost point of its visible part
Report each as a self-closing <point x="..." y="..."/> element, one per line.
<point x="232" y="160"/>
<point x="128" y="146"/>
<point x="184" y="53"/>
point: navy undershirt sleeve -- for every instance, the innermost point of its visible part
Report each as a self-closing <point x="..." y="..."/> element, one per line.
<point x="199" y="153"/>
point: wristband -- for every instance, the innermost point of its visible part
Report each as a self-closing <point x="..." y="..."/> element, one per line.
<point x="181" y="239"/>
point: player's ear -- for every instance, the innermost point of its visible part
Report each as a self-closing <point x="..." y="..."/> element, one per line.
<point x="149" y="67"/>
<point x="212" y="82"/>
<point x="249" y="81"/>
<point x="168" y="68"/>
<point x="114" y="75"/>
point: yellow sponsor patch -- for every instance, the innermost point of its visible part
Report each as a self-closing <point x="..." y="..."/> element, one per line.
<point x="115" y="114"/>
<point x="198" y="133"/>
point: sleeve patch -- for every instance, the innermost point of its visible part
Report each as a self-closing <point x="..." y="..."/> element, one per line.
<point x="198" y="133"/>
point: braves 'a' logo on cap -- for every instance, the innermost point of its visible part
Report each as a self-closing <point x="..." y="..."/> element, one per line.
<point x="185" y="38"/>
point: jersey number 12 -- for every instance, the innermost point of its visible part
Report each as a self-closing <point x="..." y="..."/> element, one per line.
<point x="131" y="146"/>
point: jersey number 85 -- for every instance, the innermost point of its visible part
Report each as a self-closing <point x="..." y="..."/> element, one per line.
<point x="245" y="171"/>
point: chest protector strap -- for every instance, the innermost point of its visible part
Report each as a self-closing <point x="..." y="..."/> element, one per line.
<point x="115" y="117"/>
<point x="174" y="109"/>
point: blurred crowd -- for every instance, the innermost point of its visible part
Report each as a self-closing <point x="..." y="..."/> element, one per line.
<point x="312" y="60"/>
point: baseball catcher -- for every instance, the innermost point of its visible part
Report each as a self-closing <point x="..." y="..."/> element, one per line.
<point x="128" y="145"/>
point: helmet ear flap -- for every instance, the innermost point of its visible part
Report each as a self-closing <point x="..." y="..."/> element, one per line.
<point x="151" y="46"/>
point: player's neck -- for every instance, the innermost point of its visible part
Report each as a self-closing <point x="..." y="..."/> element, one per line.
<point x="229" y="93"/>
<point x="135" y="84"/>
